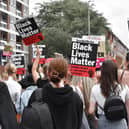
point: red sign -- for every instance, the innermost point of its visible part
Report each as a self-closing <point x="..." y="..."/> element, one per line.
<point x="78" y="70"/>
<point x="20" y="71"/>
<point x="83" y="57"/>
<point x="7" y="53"/>
<point x="41" y="60"/>
<point x="29" y="31"/>
<point x="99" y="62"/>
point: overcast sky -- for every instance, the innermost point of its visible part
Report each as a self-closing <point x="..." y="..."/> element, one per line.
<point x="115" y="11"/>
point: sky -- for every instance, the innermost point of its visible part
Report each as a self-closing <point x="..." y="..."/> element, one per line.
<point x="115" y="11"/>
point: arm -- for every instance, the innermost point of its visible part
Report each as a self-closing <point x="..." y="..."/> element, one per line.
<point x="35" y="66"/>
<point x="92" y="108"/>
<point x="127" y="108"/>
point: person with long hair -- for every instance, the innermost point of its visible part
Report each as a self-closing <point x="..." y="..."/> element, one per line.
<point x="108" y="84"/>
<point x="13" y="86"/>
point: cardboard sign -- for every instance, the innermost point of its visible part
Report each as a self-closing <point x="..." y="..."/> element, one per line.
<point x="19" y="62"/>
<point x="99" y="62"/>
<point x="83" y="57"/>
<point x="29" y="31"/>
<point x="101" y="52"/>
<point x="7" y="53"/>
<point x="42" y="53"/>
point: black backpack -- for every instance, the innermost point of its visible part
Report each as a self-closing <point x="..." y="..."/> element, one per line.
<point x="42" y="110"/>
<point x="114" y="108"/>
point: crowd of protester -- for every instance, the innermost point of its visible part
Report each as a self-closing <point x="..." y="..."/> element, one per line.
<point x="49" y="97"/>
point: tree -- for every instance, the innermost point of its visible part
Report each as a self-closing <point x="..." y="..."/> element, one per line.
<point x="62" y="20"/>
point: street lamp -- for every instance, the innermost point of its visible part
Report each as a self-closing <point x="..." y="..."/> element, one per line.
<point x="89" y="15"/>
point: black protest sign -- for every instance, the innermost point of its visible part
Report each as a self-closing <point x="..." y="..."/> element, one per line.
<point x="42" y="53"/>
<point x="41" y="49"/>
<point x="83" y="58"/>
<point x="18" y="60"/>
<point x="29" y="31"/>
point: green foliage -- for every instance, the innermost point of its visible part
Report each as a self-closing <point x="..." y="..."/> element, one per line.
<point x="62" y="20"/>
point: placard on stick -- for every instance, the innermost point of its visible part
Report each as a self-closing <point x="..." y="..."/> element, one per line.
<point x="83" y="57"/>
<point x="29" y="31"/>
<point x="42" y="53"/>
<point x="19" y="61"/>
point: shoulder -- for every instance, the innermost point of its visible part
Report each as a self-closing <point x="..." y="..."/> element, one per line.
<point x="96" y="88"/>
<point x="77" y="99"/>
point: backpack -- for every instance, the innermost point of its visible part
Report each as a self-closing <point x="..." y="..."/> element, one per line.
<point x="42" y="110"/>
<point x="114" y="108"/>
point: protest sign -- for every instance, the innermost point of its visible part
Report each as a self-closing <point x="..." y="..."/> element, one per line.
<point x="83" y="57"/>
<point x="18" y="60"/>
<point x="29" y="31"/>
<point x="42" y="53"/>
<point x="101" y="52"/>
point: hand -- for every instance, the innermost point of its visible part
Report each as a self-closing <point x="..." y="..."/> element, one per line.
<point x="38" y="51"/>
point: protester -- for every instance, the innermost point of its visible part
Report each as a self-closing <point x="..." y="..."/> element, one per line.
<point x="65" y="106"/>
<point x="7" y="110"/>
<point x="108" y="86"/>
<point x="13" y="86"/>
<point x="124" y="73"/>
<point x="28" y="79"/>
<point x="36" y="76"/>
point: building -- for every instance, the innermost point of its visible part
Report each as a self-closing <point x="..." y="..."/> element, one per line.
<point x="116" y="48"/>
<point x="10" y="11"/>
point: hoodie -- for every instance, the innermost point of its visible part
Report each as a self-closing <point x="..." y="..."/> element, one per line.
<point x="65" y="106"/>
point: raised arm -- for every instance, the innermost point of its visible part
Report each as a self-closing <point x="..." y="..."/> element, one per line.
<point x="35" y="66"/>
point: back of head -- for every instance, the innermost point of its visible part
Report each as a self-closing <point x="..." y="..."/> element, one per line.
<point x="10" y="68"/>
<point x="57" y="69"/>
<point x="109" y="76"/>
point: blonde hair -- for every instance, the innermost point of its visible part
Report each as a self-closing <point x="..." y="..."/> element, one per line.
<point x="75" y="80"/>
<point x="10" y="69"/>
<point x="87" y="84"/>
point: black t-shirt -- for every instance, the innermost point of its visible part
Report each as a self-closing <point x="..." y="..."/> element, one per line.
<point x="41" y="82"/>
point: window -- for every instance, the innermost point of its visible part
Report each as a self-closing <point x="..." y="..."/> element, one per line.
<point x="4" y="35"/>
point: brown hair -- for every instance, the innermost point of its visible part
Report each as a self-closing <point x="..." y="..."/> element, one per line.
<point x="57" y="69"/>
<point x="109" y="77"/>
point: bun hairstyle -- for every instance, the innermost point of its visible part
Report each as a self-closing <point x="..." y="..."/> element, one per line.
<point x="57" y="69"/>
<point x="10" y="68"/>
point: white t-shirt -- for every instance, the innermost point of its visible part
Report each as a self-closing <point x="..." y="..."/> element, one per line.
<point x="14" y="89"/>
<point x="97" y="96"/>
